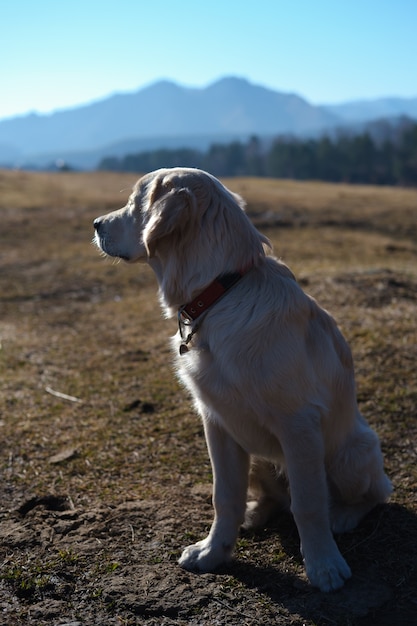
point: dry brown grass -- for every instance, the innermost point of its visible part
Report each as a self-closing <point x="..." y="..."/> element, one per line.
<point x="100" y="528"/>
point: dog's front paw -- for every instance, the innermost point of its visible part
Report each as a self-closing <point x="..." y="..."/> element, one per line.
<point x="204" y="556"/>
<point x="328" y="574"/>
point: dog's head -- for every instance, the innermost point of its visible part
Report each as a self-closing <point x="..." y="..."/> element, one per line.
<point x="186" y="224"/>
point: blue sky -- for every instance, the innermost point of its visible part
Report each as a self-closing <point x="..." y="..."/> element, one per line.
<point x="61" y="53"/>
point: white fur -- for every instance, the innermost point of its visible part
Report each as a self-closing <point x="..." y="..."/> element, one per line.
<point x="269" y="371"/>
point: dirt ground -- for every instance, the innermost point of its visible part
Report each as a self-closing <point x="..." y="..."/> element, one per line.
<point x="105" y="472"/>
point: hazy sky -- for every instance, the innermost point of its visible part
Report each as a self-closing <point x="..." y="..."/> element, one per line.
<point x="60" y="53"/>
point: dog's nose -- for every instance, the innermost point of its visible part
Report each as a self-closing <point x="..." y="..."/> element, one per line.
<point x="97" y="223"/>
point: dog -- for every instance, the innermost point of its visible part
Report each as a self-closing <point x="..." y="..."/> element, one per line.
<point x="268" y="369"/>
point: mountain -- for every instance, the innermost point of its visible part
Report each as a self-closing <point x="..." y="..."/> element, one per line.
<point x="167" y="115"/>
<point x="159" y="112"/>
<point x="368" y="110"/>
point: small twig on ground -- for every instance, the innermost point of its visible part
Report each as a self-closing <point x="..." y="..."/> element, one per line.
<point x="231" y="608"/>
<point x="133" y="532"/>
<point x="63" y="396"/>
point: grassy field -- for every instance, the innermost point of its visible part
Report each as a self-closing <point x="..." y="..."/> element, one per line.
<point x="105" y="472"/>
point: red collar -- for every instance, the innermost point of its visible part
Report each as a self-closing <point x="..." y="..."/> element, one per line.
<point x="188" y="313"/>
<point x="220" y="285"/>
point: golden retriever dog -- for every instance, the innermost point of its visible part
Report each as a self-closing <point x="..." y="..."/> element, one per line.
<point x="270" y="373"/>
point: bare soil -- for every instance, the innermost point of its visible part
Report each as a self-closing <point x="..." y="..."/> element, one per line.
<point x="105" y="472"/>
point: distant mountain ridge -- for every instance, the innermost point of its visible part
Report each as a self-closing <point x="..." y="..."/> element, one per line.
<point x="369" y="110"/>
<point x="165" y="114"/>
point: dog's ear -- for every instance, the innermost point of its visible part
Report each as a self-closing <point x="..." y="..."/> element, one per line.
<point x="169" y="213"/>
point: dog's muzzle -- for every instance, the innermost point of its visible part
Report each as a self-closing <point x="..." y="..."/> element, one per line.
<point x="99" y="238"/>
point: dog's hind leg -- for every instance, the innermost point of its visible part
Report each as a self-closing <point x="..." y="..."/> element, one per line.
<point x="268" y="493"/>
<point x="356" y="478"/>
<point x="230" y="465"/>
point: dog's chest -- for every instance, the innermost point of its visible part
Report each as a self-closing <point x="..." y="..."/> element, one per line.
<point x="232" y="405"/>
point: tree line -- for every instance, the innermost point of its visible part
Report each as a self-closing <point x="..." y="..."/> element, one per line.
<point x="359" y="158"/>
